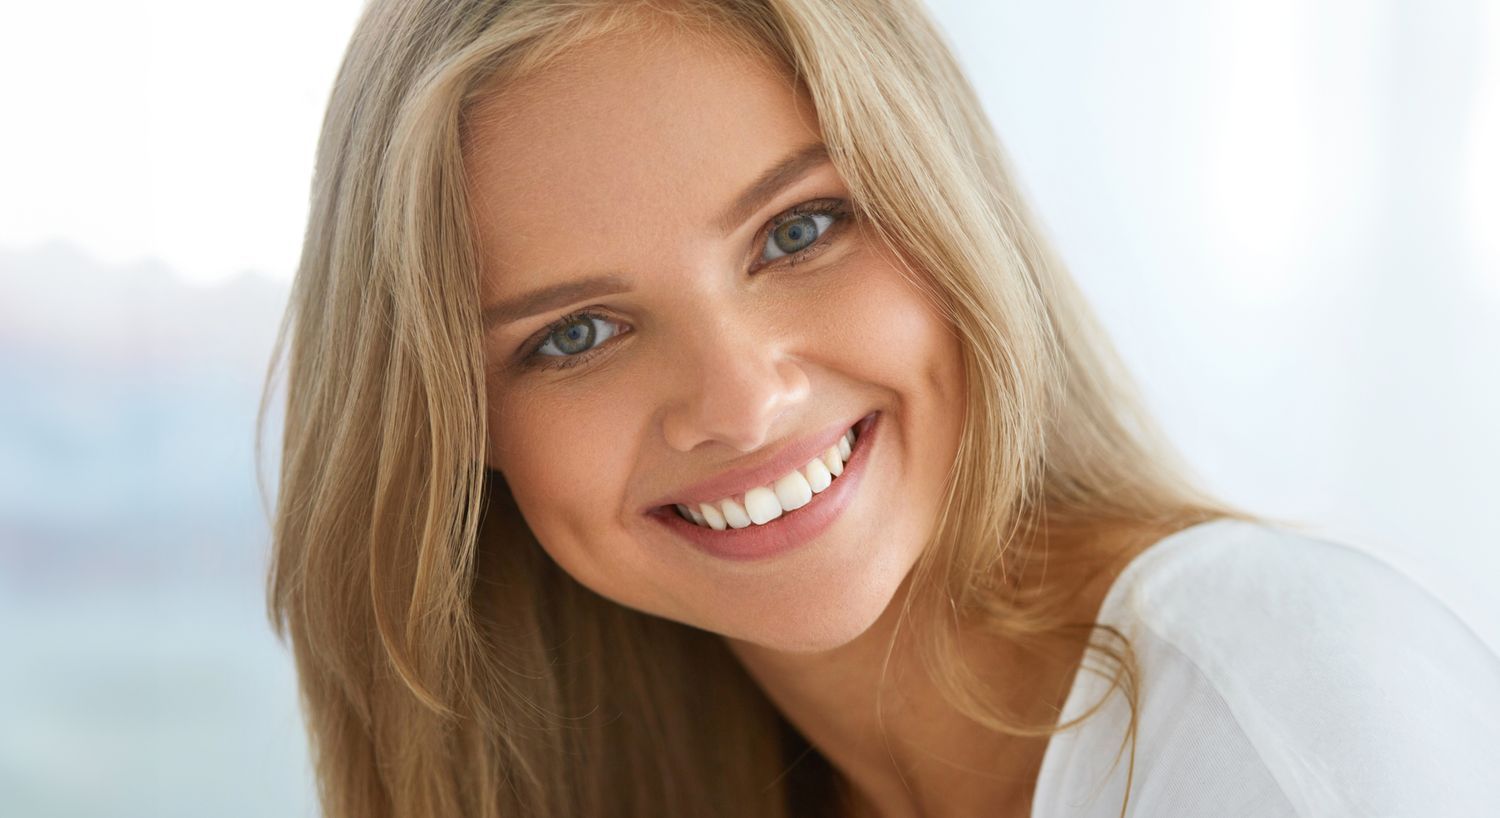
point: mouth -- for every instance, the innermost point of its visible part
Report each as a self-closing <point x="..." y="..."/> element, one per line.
<point x="782" y="512"/>
<point x="791" y="491"/>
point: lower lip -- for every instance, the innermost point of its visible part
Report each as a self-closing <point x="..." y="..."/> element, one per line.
<point x="792" y="528"/>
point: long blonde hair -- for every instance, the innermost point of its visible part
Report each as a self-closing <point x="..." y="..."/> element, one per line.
<point x="447" y="666"/>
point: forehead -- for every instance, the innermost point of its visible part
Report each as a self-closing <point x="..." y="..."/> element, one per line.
<point x="622" y="142"/>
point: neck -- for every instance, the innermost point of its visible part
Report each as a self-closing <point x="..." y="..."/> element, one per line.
<point x="874" y="711"/>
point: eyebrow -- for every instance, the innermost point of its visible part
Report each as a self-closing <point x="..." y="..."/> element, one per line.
<point x="550" y="298"/>
<point x="783" y="173"/>
<point x="791" y="168"/>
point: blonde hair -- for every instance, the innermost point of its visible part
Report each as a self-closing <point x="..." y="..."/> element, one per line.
<point x="447" y="666"/>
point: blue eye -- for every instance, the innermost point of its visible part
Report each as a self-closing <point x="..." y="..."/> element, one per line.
<point x="797" y="232"/>
<point x="575" y="335"/>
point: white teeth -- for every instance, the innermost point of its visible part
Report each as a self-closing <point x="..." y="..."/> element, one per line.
<point x="761" y="505"/>
<point x="715" y="519"/>
<point x="734" y="514"/>
<point x="817" y="474"/>
<point x="833" y="461"/>
<point x="793" y="491"/>
<point x="765" y="503"/>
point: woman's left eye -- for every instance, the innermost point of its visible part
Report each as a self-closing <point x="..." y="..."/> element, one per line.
<point x="796" y="231"/>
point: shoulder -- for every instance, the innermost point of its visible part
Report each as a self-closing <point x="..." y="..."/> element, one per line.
<point x="1297" y="675"/>
<point x="1205" y="587"/>
<point x="1214" y="590"/>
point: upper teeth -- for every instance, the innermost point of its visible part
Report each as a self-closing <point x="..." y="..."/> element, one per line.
<point x="763" y="504"/>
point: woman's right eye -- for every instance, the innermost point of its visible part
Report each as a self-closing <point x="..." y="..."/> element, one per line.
<point x="573" y="339"/>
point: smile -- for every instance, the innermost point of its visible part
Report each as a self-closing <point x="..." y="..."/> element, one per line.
<point x="789" y="492"/>
<point x="784" y="513"/>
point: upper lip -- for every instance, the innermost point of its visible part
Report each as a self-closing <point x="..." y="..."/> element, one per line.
<point x="731" y="482"/>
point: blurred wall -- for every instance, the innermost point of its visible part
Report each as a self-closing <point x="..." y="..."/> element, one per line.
<point x="1288" y="215"/>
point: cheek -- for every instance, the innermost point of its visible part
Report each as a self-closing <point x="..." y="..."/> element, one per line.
<point x="899" y="336"/>
<point x="565" y="460"/>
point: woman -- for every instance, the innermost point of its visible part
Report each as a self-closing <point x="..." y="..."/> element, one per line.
<point x="686" y="418"/>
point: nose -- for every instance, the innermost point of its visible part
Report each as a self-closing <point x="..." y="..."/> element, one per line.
<point x="734" y="382"/>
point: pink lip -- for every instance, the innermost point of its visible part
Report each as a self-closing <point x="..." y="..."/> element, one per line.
<point x="791" y="529"/>
<point x="735" y="482"/>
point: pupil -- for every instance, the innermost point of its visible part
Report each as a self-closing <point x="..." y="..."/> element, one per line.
<point x="796" y="234"/>
<point x="576" y="337"/>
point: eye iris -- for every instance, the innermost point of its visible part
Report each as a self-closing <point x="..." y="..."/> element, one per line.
<point x="798" y="233"/>
<point x="576" y="337"/>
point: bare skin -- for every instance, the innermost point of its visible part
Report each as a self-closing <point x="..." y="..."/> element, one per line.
<point x="620" y="160"/>
<point x="928" y="759"/>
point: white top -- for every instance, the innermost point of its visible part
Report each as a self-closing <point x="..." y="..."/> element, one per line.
<point x="1281" y="676"/>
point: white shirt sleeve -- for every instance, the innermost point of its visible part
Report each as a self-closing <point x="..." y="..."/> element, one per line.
<point x="1281" y="675"/>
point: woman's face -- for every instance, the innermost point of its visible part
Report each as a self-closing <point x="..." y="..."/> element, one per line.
<point x="664" y="329"/>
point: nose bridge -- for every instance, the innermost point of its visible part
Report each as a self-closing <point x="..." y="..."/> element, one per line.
<point x="736" y="378"/>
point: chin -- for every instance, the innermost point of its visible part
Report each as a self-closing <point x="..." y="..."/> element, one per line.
<point x="823" y="622"/>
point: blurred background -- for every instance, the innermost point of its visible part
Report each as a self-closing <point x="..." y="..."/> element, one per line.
<point x="1287" y="212"/>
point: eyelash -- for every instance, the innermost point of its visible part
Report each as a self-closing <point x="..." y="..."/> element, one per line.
<point x="837" y="208"/>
